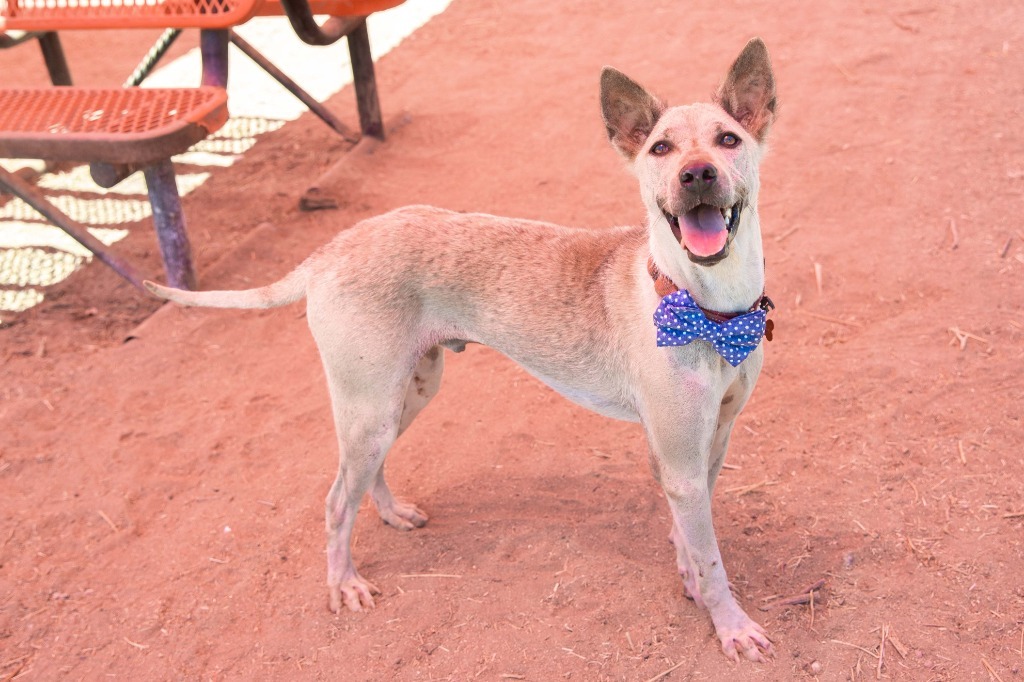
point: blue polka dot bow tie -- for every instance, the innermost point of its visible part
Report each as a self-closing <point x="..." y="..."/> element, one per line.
<point x="680" y="321"/>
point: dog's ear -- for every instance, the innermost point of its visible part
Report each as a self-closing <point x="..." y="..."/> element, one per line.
<point x="748" y="93"/>
<point x="629" y="111"/>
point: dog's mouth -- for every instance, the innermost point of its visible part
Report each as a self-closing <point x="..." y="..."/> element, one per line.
<point x="706" y="231"/>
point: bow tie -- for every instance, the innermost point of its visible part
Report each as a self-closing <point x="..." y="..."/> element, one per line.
<point x="680" y="321"/>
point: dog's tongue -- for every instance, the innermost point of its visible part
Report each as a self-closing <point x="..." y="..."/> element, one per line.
<point x="703" y="230"/>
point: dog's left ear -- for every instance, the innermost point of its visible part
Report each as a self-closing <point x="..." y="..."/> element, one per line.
<point x="629" y="111"/>
<point x="748" y="93"/>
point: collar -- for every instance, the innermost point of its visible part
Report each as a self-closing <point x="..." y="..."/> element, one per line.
<point x="665" y="286"/>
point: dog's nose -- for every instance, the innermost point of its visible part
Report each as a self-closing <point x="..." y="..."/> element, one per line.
<point x="698" y="175"/>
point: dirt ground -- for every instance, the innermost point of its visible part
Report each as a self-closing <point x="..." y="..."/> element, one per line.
<point x="163" y="471"/>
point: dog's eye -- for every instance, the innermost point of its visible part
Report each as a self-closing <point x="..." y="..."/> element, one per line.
<point x="660" y="148"/>
<point x="729" y="140"/>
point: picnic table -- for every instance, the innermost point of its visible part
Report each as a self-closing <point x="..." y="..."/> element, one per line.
<point x="119" y="131"/>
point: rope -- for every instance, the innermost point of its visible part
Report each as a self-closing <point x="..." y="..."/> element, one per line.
<point x="154" y="55"/>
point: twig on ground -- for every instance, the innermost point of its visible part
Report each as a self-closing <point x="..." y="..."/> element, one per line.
<point x="17" y="672"/>
<point x="805" y="597"/>
<point x="788" y="232"/>
<point x="9" y="536"/>
<point x="881" y="652"/>
<point x="961" y="336"/>
<point x="860" y="648"/>
<point x="839" y="67"/>
<point x="143" y="647"/>
<point x="922" y="554"/>
<point x="744" y="489"/>
<point x="826" y="318"/>
<point x="903" y="26"/>
<point x="817" y="276"/>
<point x="963" y="456"/>
<point x="993" y="673"/>
<point x="12" y="661"/>
<point x="956" y="235"/>
<point x="1006" y="247"/>
<point x="1014" y="515"/>
<point x="429" y="575"/>
<point x="107" y="519"/>
<point x="899" y="646"/>
<point x="666" y="672"/>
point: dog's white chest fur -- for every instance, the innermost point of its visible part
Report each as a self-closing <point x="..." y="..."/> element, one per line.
<point x="601" y="402"/>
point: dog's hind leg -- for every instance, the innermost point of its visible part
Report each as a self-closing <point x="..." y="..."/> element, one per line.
<point x="373" y="399"/>
<point x="364" y="436"/>
<point x="367" y="380"/>
<point x="424" y="384"/>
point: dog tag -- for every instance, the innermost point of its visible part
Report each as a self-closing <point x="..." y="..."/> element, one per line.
<point x="769" y="325"/>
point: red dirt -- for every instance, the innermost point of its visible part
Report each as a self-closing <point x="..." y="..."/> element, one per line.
<point x="161" y="515"/>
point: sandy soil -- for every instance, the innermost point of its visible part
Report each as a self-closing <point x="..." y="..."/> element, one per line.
<point x="161" y="507"/>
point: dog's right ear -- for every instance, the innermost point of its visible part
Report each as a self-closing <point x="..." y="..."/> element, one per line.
<point x="629" y="111"/>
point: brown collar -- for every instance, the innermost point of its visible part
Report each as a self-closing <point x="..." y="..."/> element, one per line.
<point x="665" y="286"/>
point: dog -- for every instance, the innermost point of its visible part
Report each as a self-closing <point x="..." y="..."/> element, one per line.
<point x="573" y="307"/>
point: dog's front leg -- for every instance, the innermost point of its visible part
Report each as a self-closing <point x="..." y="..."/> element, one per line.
<point x="683" y="454"/>
<point x="715" y="462"/>
<point x="707" y="582"/>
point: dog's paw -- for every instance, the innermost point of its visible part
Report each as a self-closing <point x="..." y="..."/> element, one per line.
<point x="747" y="639"/>
<point x="353" y="592"/>
<point x="403" y="515"/>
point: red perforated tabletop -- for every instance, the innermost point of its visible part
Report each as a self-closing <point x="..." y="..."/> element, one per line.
<point x="117" y="125"/>
<point x="60" y="15"/>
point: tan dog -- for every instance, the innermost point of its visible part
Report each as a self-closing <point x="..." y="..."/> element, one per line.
<point x="574" y="307"/>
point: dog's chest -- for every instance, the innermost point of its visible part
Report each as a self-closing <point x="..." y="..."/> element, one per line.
<point x="604" y="400"/>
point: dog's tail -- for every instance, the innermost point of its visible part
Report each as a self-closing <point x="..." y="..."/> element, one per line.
<point x="282" y="292"/>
